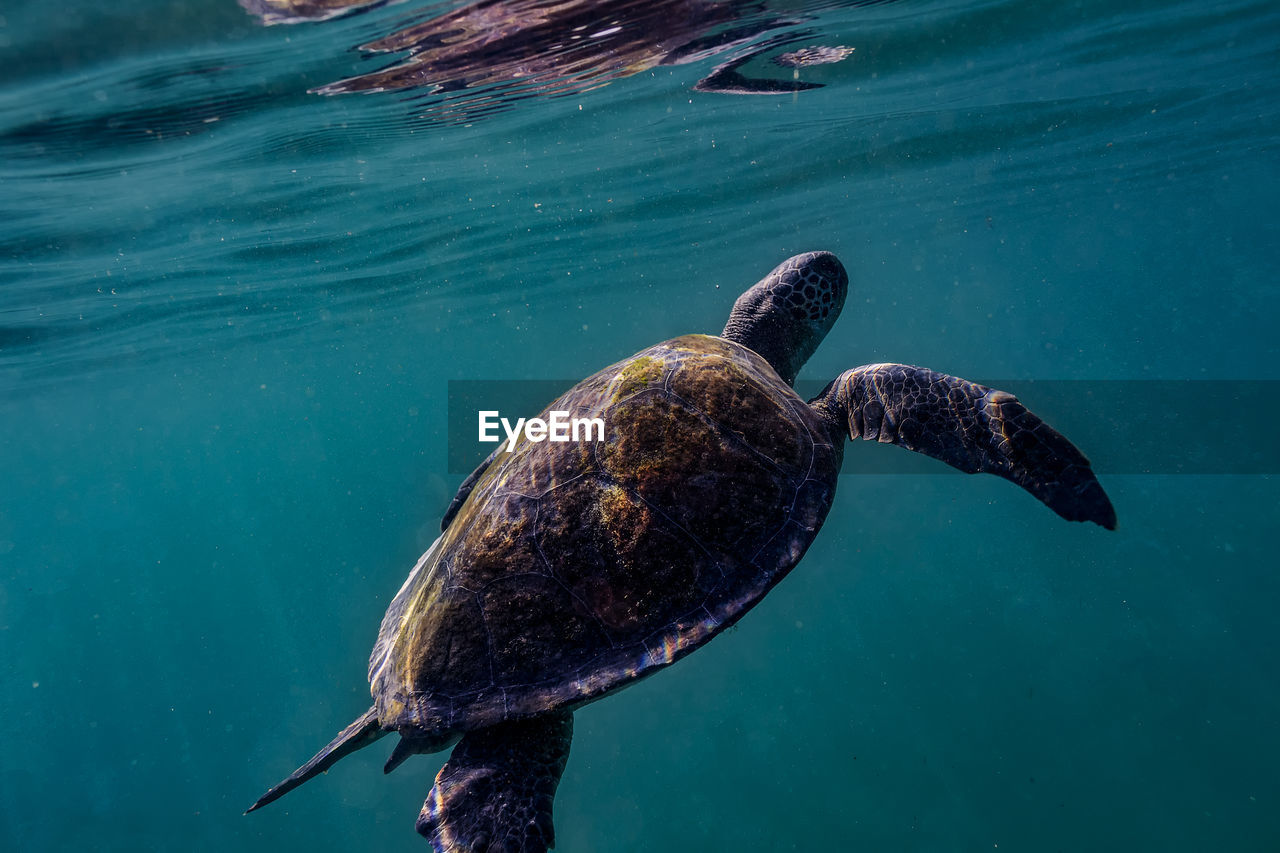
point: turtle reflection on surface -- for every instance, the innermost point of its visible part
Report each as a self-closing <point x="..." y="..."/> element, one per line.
<point x="549" y="47"/>
<point x="297" y="11"/>
<point x="817" y="55"/>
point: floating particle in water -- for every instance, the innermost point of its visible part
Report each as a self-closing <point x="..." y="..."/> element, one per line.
<point x="817" y="55"/>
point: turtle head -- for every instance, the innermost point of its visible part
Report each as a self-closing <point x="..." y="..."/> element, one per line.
<point x="787" y="313"/>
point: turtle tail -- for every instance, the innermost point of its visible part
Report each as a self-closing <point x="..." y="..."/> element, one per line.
<point x="358" y="735"/>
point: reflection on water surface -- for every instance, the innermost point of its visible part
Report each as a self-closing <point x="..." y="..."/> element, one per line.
<point x="515" y="49"/>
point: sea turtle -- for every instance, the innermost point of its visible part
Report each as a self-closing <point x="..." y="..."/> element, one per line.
<point x="567" y="571"/>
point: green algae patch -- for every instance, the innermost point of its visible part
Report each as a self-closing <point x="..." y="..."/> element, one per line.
<point x="637" y="374"/>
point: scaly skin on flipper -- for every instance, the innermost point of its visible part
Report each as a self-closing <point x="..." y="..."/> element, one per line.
<point x="970" y="427"/>
<point x="495" y="793"/>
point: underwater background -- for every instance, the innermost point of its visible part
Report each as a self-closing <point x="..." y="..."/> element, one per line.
<point x="231" y="311"/>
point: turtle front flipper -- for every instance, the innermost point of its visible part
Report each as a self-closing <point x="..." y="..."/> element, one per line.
<point x="496" y="790"/>
<point x="464" y="491"/>
<point x="970" y="427"/>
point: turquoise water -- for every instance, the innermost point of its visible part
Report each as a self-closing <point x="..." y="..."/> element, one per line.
<point x="231" y="311"/>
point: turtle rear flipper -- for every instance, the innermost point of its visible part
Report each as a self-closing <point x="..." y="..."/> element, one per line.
<point x="970" y="427"/>
<point x="358" y="735"/>
<point x="496" y="790"/>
